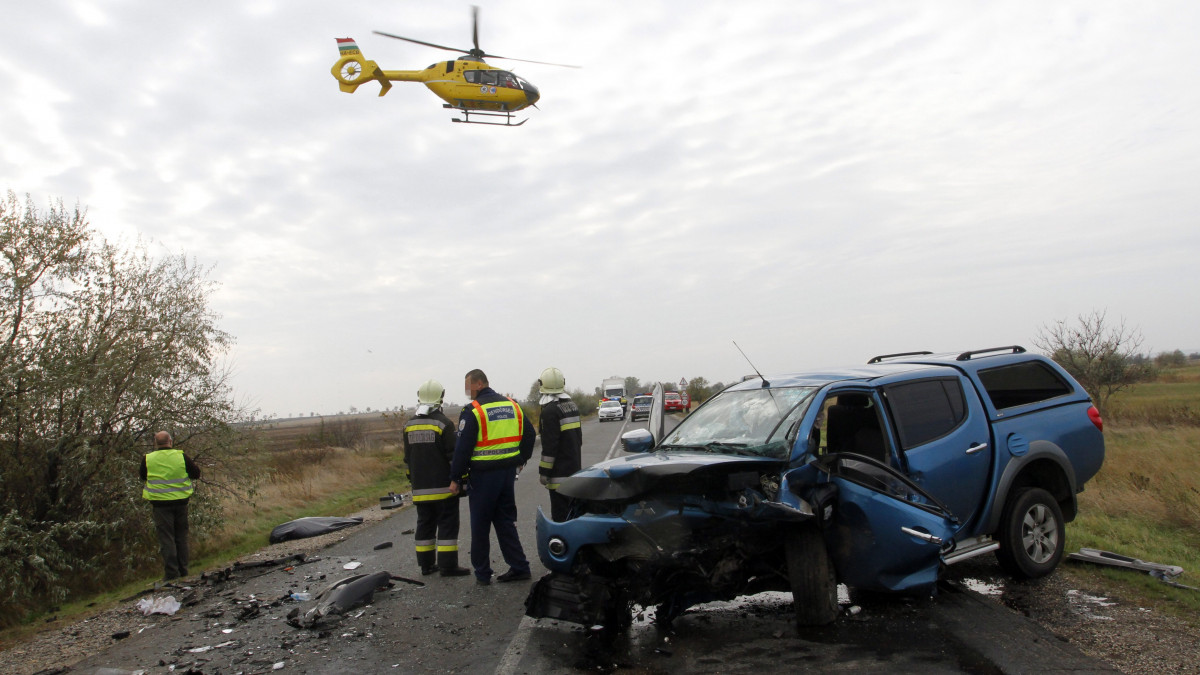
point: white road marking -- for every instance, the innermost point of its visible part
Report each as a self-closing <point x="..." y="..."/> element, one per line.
<point x="512" y="655"/>
<point x="617" y="442"/>
<point x="516" y="647"/>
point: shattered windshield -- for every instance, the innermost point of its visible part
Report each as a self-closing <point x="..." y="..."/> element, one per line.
<point x="747" y="422"/>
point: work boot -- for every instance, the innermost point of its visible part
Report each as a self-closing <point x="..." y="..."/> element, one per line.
<point x="426" y="571"/>
<point x="455" y="571"/>
<point x="483" y="581"/>
<point x="513" y="575"/>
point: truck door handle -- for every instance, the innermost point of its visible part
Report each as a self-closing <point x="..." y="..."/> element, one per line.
<point x="922" y="535"/>
<point x="976" y="448"/>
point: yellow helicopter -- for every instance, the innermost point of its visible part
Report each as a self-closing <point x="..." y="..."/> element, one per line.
<point x="467" y="83"/>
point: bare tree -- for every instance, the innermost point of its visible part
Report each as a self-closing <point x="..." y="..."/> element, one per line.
<point x="1100" y="354"/>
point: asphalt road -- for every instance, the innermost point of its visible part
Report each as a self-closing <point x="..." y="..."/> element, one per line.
<point x="454" y="625"/>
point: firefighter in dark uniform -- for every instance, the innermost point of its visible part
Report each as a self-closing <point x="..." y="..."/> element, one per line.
<point x="494" y="440"/>
<point x="428" y="449"/>
<point x="562" y="439"/>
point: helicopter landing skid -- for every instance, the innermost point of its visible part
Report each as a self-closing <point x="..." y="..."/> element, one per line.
<point x="508" y="118"/>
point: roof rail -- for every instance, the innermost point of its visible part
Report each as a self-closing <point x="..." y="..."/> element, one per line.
<point x="879" y="359"/>
<point x="1013" y="349"/>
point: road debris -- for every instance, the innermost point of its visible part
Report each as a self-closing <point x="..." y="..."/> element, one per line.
<point x="380" y="547"/>
<point x="340" y="597"/>
<point x="302" y="528"/>
<point x="394" y="501"/>
<point x="1096" y="556"/>
<point x="163" y="605"/>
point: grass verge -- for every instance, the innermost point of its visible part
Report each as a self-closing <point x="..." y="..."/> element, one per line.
<point x="294" y="484"/>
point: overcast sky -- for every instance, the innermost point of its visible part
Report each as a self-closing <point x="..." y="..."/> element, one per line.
<point x="819" y="181"/>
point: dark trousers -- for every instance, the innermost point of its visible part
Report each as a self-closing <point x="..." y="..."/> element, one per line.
<point x="559" y="505"/>
<point x="171" y="524"/>
<point x="437" y="529"/>
<point x="494" y="505"/>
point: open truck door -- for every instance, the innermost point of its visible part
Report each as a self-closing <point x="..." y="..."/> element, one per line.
<point x="885" y="533"/>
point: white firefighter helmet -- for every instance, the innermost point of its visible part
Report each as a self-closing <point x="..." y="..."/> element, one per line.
<point x="431" y="393"/>
<point x="551" y="381"/>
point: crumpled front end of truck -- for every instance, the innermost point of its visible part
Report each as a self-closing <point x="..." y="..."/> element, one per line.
<point x="671" y="533"/>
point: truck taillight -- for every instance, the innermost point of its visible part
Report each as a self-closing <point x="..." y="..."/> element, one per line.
<point x="1094" y="415"/>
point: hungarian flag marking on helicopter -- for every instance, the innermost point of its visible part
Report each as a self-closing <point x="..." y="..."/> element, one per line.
<point x="347" y="45"/>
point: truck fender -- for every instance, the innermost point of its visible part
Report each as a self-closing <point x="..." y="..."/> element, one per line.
<point x="1045" y="465"/>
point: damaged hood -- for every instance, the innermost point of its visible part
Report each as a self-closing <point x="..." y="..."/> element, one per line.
<point x="630" y="477"/>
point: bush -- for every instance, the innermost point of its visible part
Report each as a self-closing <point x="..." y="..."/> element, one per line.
<point x="101" y="348"/>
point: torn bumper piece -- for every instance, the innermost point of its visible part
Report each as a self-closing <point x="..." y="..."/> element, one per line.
<point x="1096" y="556"/>
<point x="341" y="596"/>
<point x="567" y="598"/>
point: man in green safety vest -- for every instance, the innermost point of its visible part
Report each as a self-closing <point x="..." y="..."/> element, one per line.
<point x="168" y="474"/>
<point x="494" y="440"/>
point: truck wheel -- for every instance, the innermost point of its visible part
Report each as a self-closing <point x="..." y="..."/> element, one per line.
<point x="1031" y="534"/>
<point x="810" y="571"/>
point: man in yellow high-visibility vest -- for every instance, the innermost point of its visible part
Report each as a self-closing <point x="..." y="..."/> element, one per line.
<point x="168" y="474"/>
<point x="494" y="439"/>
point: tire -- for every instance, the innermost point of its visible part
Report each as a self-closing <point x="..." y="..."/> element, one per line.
<point x="811" y="574"/>
<point x="1031" y="534"/>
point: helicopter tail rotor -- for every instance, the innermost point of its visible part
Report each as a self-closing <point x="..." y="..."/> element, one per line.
<point x="353" y="70"/>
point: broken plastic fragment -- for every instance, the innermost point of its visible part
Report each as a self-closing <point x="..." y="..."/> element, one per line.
<point x="165" y="605"/>
<point x="352" y="565"/>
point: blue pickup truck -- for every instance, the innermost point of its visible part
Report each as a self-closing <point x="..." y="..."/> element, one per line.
<point x="873" y="476"/>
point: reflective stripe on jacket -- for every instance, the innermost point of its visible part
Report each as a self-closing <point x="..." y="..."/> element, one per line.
<point x="562" y="440"/>
<point x="166" y="476"/>
<point x="428" y="447"/>
<point x="501" y="424"/>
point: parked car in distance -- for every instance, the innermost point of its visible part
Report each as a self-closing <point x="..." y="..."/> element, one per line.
<point x="672" y="402"/>
<point x="610" y="410"/>
<point x="641" y="408"/>
<point x="874" y="476"/>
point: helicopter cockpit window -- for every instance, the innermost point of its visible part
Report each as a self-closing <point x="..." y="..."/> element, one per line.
<point x="508" y="80"/>
<point x="487" y="77"/>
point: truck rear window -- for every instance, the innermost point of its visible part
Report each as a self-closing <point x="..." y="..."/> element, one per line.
<point x="1022" y="384"/>
<point x="925" y="409"/>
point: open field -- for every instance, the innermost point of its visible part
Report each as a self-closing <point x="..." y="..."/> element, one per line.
<point x="1145" y="502"/>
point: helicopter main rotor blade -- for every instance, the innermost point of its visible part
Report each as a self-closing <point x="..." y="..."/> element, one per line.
<point x="543" y="63"/>
<point x="421" y="42"/>
<point x="475" y="27"/>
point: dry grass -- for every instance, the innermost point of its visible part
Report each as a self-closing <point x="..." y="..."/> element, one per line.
<point x="1151" y="472"/>
<point x="1172" y="399"/>
<point x="297" y="473"/>
<point x="296" y="481"/>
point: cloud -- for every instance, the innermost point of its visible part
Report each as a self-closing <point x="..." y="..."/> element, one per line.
<point x="820" y="182"/>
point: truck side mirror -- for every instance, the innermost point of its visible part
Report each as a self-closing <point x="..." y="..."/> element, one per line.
<point x="638" y="440"/>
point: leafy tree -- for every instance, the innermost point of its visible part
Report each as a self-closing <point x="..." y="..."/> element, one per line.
<point x="698" y="389"/>
<point x="99" y="348"/>
<point x="632" y="386"/>
<point x="1098" y="353"/>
